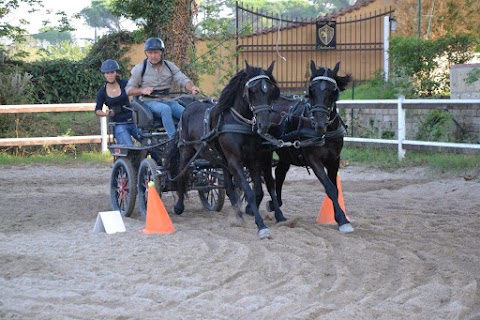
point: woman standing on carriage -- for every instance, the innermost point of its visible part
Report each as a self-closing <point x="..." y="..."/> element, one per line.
<point x="113" y="95"/>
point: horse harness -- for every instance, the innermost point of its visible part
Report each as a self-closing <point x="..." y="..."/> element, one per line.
<point x="242" y="125"/>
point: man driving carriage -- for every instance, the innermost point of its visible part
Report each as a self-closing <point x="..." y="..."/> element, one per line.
<point x="153" y="78"/>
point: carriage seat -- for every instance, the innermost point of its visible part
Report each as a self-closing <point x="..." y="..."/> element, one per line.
<point x="143" y="117"/>
<point x="148" y="125"/>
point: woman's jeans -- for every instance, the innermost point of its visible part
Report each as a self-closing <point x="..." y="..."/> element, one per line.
<point x="166" y="111"/>
<point x="124" y="132"/>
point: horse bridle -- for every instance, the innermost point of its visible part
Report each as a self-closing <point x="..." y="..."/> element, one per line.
<point x="250" y="84"/>
<point x="320" y="107"/>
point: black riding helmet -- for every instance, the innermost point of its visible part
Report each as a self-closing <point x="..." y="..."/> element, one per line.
<point x="109" y="66"/>
<point x="154" y="44"/>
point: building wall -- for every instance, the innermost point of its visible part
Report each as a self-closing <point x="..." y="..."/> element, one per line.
<point x="291" y="64"/>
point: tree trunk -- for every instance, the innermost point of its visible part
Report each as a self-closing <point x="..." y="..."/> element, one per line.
<point x="178" y="36"/>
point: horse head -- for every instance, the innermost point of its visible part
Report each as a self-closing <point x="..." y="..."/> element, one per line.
<point x="323" y="92"/>
<point x="259" y="91"/>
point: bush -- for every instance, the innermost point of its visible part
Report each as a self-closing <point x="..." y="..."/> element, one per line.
<point x="16" y="87"/>
<point x="378" y="88"/>
<point x="427" y="62"/>
<point x="64" y="81"/>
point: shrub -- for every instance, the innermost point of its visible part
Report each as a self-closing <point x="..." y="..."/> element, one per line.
<point x="427" y="62"/>
<point x="15" y="86"/>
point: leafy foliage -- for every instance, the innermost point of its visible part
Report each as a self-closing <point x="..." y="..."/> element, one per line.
<point x="113" y="46"/>
<point x="53" y="36"/>
<point x="170" y="20"/>
<point x="437" y="18"/>
<point x="100" y="16"/>
<point x="64" y="49"/>
<point x="437" y="126"/>
<point x="420" y="60"/>
<point x="378" y="88"/>
<point x="153" y="16"/>
<point x="64" y="81"/>
<point x="473" y="76"/>
<point x="325" y="7"/>
<point x="15" y="87"/>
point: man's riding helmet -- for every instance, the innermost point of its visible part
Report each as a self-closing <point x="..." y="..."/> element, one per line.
<point x="109" y="66"/>
<point x="154" y="44"/>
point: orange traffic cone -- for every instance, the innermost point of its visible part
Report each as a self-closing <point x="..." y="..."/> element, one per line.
<point x="326" y="214"/>
<point x="158" y="220"/>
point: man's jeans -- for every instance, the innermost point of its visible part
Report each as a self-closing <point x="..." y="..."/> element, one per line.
<point x="123" y="133"/>
<point x="166" y="111"/>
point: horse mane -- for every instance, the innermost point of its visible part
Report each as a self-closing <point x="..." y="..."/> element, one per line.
<point x="342" y="82"/>
<point x="229" y="94"/>
<point x="234" y="88"/>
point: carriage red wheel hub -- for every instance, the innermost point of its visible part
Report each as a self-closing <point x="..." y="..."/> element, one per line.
<point x="122" y="188"/>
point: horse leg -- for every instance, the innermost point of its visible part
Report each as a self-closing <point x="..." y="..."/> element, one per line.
<point x="185" y="154"/>
<point x="344" y="226"/>
<point x="280" y="175"/>
<point x="232" y="193"/>
<point x="332" y="171"/>
<point x="270" y="184"/>
<point x="179" y="206"/>
<point x="238" y="172"/>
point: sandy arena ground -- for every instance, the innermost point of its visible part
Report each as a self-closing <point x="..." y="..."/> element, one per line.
<point x="414" y="254"/>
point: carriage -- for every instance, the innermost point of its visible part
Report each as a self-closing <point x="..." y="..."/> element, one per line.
<point x="135" y="166"/>
<point x="219" y="148"/>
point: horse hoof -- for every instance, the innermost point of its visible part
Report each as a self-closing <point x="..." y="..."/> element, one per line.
<point x="345" y="228"/>
<point x="264" y="233"/>
<point x="177" y="210"/>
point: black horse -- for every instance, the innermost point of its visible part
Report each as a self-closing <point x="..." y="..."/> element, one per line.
<point x="314" y="131"/>
<point x="228" y="135"/>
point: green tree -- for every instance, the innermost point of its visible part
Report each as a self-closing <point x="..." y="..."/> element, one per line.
<point x="295" y="9"/>
<point x="100" y="16"/>
<point x="53" y="36"/>
<point x="65" y="49"/>
<point x="10" y="32"/>
<point x="291" y="9"/>
<point x="15" y="31"/>
<point x="418" y="60"/>
<point x="325" y="7"/>
<point x="169" y="19"/>
<point x="216" y="20"/>
<point x="437" y="18"/>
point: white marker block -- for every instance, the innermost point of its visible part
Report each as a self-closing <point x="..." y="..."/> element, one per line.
<point x="109" y="222"/>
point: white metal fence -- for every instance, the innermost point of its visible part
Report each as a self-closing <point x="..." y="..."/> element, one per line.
<point x="401" y="105"/>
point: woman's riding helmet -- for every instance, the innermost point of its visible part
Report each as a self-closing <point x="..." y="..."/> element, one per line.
<point x="154" y="44"/>
<point x="109" y="66"/>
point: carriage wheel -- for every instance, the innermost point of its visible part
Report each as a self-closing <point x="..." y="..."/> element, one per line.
<point x="123" y="189"/>
<point x="146" y="173"/>
<point x="212" y="198"/>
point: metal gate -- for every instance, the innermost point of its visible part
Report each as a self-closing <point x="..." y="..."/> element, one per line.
<point x="356" y="42"/>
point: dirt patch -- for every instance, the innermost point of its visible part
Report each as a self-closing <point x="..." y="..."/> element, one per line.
<point x="414" y="253"/>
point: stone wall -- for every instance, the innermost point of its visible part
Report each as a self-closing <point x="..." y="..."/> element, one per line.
<point x="458" y="87"/>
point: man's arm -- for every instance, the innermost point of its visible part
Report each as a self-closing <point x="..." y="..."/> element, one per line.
<point x="190" y="87"/>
